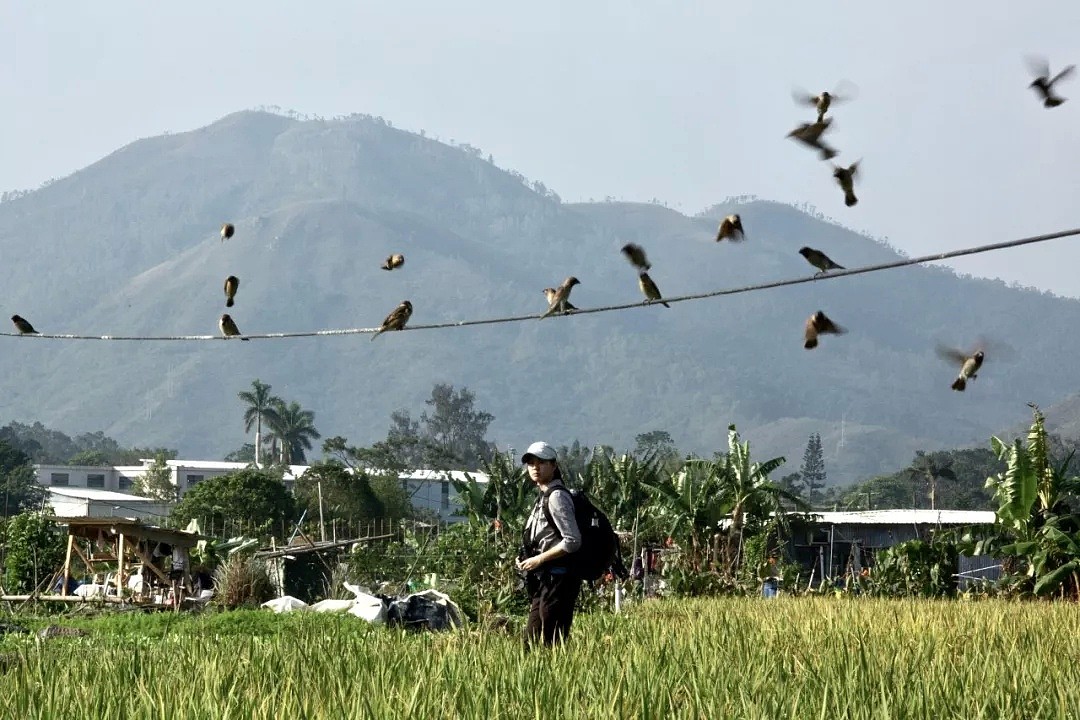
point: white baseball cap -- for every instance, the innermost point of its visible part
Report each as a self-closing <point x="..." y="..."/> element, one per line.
<point x="540" y="450"/>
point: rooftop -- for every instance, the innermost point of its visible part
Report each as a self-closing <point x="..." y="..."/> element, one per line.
<point x="907" y="517"/>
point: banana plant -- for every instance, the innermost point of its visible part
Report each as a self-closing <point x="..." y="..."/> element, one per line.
<point x="748" y="490"/>
<point x="1036" y="531"/>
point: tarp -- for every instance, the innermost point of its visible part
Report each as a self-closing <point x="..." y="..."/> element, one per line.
<point x="285" y="604"/>
<point x="425" y="610"/>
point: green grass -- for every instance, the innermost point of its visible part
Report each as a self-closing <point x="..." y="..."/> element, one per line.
<point x="745" y="658"/>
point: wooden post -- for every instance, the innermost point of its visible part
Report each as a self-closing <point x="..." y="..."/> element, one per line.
<point x="322" y="526"/>
<point x="120" y="566"/>
<point x="67" y="564"/>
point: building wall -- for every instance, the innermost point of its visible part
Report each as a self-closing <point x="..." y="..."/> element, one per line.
<point x="428" y="492"/>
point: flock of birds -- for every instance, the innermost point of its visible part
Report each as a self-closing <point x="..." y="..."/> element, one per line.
<point x="730" y="229"/>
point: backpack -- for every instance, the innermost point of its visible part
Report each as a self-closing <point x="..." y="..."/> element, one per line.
<point x="599" y="551"/>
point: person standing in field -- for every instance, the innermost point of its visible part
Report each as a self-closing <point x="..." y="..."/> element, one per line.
<point x="548" y="538"/>
<point x="769" y="575"/>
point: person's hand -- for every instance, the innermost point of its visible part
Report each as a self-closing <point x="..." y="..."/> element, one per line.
<point x="529" y="564"/>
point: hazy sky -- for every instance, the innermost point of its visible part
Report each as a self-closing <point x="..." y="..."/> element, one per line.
<point x="688" y="102"/>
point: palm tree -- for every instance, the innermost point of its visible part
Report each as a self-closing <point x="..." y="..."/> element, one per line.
<point x="294" y="429"/>
<point x="926" y="467"/>
<point x="260" y="405"/>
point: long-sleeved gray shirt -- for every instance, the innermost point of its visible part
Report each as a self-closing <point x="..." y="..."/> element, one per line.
<point x="538" y="532"/>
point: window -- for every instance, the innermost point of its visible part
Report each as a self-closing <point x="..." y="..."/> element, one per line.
<point x="124" y="483"/>
<point x="444" y="504"/>
<point x="194" y="479"/>
<point x="59" y="479"/>
<point x="94" y="480"/>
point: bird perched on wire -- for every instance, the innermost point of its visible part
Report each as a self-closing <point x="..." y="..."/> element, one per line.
<point x="845" y="176"/>
<point x="549" y="293"/>
<point x="394" y="261"/>
<point x="1044" y="84"/>
<point x="561" y="298"/>
<point x="809" y="134"/>
<point x="232" y="283"/>
<point x="636" y="255"/>
<point x="648" y="287"/>
<point x="819" y="324"/>
<point x="227" y="231"/>
<point x="396" y="319"/>
<point x="23" y="326"/>
<point x="730" y="229"/>
<point x="228" y="327"/>
<point x="819" y="260"/>
<point x="969" y="364"/>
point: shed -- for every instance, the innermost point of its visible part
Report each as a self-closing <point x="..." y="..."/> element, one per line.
<point x="832" y="544"/>
<point x="132" y="547"/>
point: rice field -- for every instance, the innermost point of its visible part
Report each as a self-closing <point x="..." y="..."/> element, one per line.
<point x="709" y="658"/>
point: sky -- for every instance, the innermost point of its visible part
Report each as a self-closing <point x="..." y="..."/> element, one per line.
<point x="686" y="102"/>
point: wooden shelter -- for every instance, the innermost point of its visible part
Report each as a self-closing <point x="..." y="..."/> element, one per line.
<point x="132" y="548"/>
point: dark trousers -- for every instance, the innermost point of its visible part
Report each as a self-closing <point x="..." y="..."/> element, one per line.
<point x="552" y="608"/>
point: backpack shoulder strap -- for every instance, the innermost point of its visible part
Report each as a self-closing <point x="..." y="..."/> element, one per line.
<point x="544" y="506"/>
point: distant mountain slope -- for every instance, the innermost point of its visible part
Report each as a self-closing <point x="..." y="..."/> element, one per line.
<point x="130" y="245"/>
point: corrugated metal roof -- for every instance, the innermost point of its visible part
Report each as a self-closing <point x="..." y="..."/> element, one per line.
<point x="907" y="517"/>
<point x="94" y="494"/>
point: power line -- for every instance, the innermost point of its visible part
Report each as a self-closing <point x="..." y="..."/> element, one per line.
<point x="832" y="275"/>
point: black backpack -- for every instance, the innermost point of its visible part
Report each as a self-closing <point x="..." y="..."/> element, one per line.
<point x="599" y="551"/>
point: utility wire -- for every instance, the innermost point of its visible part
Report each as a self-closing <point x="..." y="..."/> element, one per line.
<point x="831" y="275"/>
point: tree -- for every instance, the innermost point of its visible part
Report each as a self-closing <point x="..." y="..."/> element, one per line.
<point x="659" y="443"/>
<point x="156" y="482"/>
<point x="393" y="498"/>
<point x="18" y="481"/>
<point x="346" y="495"/>
<point x="573" y="460"/>
<point x="792" y="483"/>
<point x="294" y="429"/>
<point x="929" y="468"/>
<point x="812" y="472"/>
<point x="261" y="405"/>
<point x="245" y="454"/>
<point x="91" y="458"/>
<point x="34" y="550"/>
<point x="457" y="429"/>
<point x="255" y="499"/>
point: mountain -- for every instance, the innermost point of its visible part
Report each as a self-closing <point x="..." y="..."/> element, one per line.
<point x="130" y="246"/>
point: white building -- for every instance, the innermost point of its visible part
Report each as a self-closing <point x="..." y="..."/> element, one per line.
<point x="427" y="489"/>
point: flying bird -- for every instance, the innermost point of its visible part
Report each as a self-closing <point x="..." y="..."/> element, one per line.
<point x="396" y="319"/>
<point x="1044" y="84"/>
<point x="394" y="261"/>
<point x="228" y="327"/>
<point x="231" y="284"/>
<point x="227" y="231"/>
<point x="549" y="293"/>
<point x="561" y="299"/>
<point x="846" y="178"/>
<point x="823" y="101"/>
<point x="730" y="229"/>
<point x="636" y="255"/>
<point x="648" y="287"/>
<point x="819" y="324"/>
<point x="969" y="364"/>
<point x="809" y="134"/>
<point x="24" y="327"/>
<point x="819" y="260"/>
